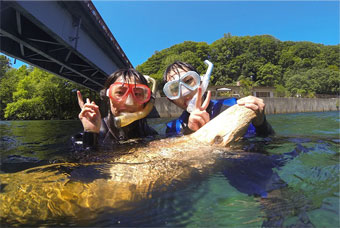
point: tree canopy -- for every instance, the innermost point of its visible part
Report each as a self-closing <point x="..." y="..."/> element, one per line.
<point x="31" y="93"/>
<point x="265" y="59"/>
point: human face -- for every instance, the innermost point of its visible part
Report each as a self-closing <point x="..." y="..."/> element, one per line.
<point x="182" y="101"/>
<point x="122" y="100"/>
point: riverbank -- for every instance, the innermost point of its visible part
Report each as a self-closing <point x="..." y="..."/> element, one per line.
<point x="274" y="105"/>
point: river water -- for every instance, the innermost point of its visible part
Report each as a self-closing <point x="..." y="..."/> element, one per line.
<point x="291" y="179"/>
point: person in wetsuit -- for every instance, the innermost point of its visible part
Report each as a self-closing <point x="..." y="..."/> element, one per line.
<point x="125" y="92"/>
<point x="182" y="83"/>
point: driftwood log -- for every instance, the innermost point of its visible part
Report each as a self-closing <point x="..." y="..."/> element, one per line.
<point x="84" y="189"/>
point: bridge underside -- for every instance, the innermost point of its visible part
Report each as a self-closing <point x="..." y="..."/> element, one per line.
<point x="23" y="37"/>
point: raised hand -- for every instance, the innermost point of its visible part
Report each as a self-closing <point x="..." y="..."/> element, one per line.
<point x="255" y="104"/>
<point x="90" y="115"/>
<point x="199" y="117"/>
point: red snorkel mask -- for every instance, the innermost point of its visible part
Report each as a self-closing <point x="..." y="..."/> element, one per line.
<point x="119" y="93"/>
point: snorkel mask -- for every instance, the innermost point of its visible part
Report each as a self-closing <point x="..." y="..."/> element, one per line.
<point x="182" y="86"/>
<point x="122" y="92"/>
<point x="187" y="83"/>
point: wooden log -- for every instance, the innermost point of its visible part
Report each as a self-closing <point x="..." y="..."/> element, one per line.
<point x="227" y="127"/>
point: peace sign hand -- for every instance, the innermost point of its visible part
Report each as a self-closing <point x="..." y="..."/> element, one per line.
<point x="199" y="117"/>
<point x="90" y="115"/>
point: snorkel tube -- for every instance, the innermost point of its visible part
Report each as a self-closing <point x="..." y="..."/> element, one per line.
<point x="127" y="118"/>
<point x="205" y="83"/>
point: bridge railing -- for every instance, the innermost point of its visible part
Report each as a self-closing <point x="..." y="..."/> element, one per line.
<point x="107" y="31"/>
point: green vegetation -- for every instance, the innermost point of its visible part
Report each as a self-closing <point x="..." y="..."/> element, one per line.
<point x="293" y="68"/>
<point x="30" y="93"/>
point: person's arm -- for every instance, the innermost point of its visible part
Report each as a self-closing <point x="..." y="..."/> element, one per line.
<point x="179" y="126"/>
<point x="187" y="130"/>
<point x="174" y="128"/>
<point x="199" y="116"/>
<point x="262" y="127"/>
<point x="84" y="141"/>
<point x="90" y="139"/>
<point x="91" y="120"/>
<point x="89" y="115"/>
<point x="181" y="129"/>
<point x="265" y="129"/>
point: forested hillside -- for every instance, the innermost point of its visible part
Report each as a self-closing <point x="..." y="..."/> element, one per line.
<point x="303" y="68"/>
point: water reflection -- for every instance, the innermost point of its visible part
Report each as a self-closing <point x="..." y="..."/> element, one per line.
<point x="26" y="144"/>
<point x="85" y="190"/>
<point x="299" y="176"/>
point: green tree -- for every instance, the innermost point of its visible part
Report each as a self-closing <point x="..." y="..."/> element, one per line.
<point x="38" y="94"/>
<point x="8" y="85"/>
<point x="326" y="80"/>
<point x="246" y="87"/>
<point x="305" y="49"/>
<point x="269" y="75"/>
<point x="5" y="65"/>
<point x="281" y="91"/>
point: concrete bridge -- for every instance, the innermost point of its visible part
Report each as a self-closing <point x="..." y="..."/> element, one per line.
<point x="67" y="38"/>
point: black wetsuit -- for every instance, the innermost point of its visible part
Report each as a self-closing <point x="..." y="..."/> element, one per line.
<point x="110" y="135"/>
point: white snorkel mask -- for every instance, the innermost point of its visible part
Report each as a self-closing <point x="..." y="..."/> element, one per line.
<point x="187" y="83"/>
<point x="182" y="85"/>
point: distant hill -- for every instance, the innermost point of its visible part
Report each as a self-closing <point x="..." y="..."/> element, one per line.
<point x="303" y="68"/>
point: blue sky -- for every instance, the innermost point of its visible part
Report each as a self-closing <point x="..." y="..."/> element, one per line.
<point x="142" y="27"/>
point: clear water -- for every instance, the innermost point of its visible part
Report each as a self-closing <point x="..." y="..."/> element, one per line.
<point x="290" y="180"/>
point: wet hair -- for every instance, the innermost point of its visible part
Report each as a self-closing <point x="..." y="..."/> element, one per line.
<point x="175" y="66"/>
<point x="126" y="74"/>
